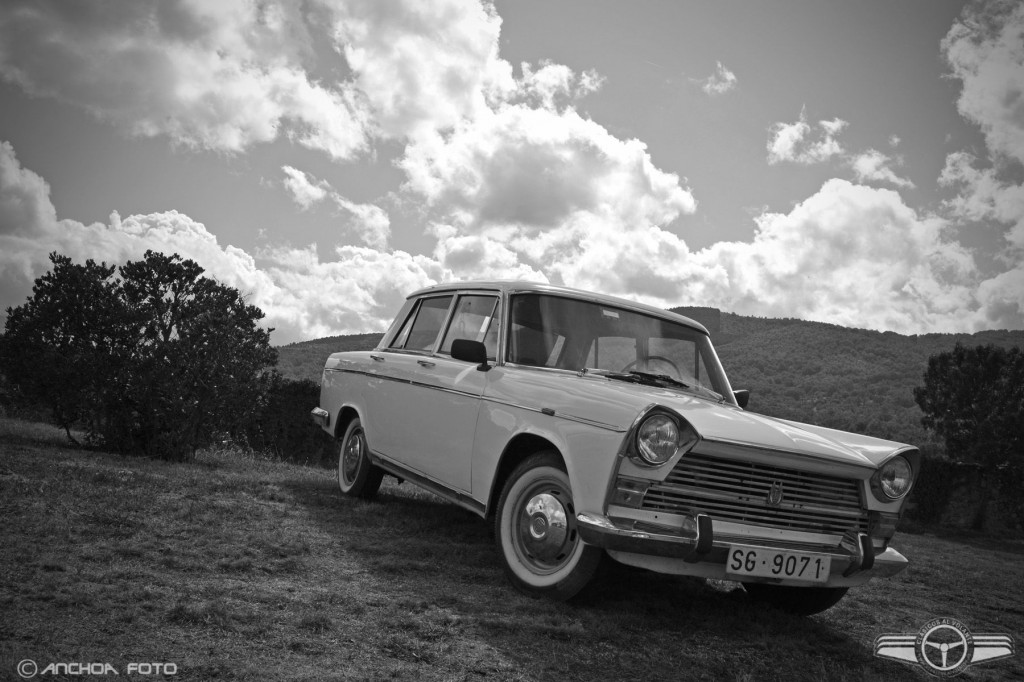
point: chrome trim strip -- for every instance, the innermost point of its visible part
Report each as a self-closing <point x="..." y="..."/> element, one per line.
<point x="561" y="415"/>
<point x="724" y="529"/>
<point x="538" y="410"/>
<point x="454" y="496"/>
<point x="766" y="449"/>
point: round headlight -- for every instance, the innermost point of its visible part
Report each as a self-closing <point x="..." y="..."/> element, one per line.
<point x="895" y="478"/>
<point x="658" y="439"/>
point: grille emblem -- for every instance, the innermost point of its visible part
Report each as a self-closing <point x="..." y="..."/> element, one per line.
<point x="775" y="494"/>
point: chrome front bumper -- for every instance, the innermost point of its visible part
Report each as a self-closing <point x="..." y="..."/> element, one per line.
<point x="700" y="553"/>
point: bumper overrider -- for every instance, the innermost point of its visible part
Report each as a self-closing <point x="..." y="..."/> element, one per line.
<point x="696" y="551"/>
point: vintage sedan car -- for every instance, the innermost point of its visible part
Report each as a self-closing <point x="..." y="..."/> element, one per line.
<point x="587" y="426"/>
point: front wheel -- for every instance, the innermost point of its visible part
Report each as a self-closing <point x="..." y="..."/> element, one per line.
<point x="802" y="601"/>
<point x="535" y="529"/>
<point x="357" y="475"/>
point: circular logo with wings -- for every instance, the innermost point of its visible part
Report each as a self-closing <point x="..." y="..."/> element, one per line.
<point x="944" y="646"/>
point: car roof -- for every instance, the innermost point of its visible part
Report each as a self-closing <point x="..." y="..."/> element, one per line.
<point x="520" y="286"/>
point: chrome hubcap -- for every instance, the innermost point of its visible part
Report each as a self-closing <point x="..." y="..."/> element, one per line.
<point x="543" y="530"/>
<point x="351" y="455"/>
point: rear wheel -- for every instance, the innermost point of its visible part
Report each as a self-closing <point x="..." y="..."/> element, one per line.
<point x="357" y="475"/>
<point x="535" y="529"/>
<point x="802" y="601"/>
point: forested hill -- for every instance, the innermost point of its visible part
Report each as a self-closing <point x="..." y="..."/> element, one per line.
<point x="305" y="359"/>
<point x="850" y="379"/>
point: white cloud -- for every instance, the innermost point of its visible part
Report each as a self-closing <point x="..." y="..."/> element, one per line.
<point x="422" y="65"/>
<point x="533" y="168"/>
<point x="986" y="52"/>
<point x="720" y="82"/>
<point x="304" y="191"/>
<point x="983" y="195"/>
<point x="873" y="166"/>
<point x="302" y="296"/>
<point x="221" y="76"/>
<point x="852" y="255"/>
<point x="795" y="143"/>
<point x="552" y="85"/>
<point x="359" y="291"/>
<point x="371" y="223"/>
<point x="513" y="181"/>
<point x="799" y="143"/>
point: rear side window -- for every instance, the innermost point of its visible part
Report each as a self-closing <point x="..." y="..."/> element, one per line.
<point x="474" y="319"/>
<point x="423" y="326"/>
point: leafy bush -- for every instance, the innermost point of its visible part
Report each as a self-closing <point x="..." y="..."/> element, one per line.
<point x="154" y="361"/>
<point x="283" y="426"/>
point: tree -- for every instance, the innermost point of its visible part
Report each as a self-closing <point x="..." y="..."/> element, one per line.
<point x="162" y="357"/>
<point x="58" y="344"/>
<point x="973" y="398"/>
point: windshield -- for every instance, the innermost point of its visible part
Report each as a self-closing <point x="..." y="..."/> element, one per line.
<point x="565" y="333"/>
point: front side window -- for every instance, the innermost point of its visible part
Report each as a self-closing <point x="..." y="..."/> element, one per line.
<point x="421" y="329"/>
<point x="565" y="333"/>
<point x="474" y="319"/>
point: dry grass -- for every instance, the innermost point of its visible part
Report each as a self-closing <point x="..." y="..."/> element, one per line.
<point x="242" y="568"/>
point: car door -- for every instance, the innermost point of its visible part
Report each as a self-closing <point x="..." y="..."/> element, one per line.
<point x="434" y="399"/>
<point x="392" y="375"/>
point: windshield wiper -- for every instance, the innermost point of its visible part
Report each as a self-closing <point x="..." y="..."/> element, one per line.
<point x="660" y="377"/>
<point x="672" y="381"/>
<point x="651" y="379"/>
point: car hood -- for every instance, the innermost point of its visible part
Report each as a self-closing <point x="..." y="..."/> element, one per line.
<point x="728" y="423"/>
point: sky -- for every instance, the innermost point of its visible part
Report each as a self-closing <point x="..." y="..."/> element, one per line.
<point x="857" y="163"/>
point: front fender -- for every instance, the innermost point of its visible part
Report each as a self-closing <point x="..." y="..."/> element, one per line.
<point x="589" y="452"/>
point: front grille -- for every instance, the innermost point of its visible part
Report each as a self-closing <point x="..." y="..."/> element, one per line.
<point x="738" y="491"/>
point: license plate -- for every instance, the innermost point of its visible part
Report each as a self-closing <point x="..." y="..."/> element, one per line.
<point x="772" y="563"/>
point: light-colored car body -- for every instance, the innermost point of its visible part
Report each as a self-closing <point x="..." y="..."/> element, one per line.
<point x="775" y="491"/>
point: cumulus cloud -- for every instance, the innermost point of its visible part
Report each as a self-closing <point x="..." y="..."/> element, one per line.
<point x="985" y="51"/>
<point x="534" y="168"/>
<point x="512" y="181"/>
<point x="302" y="296"/>
<point x="873" y="166"/>
<point x="231" y="74"/>
<point x="220" y="76"/>
<point x="422" y="65"/>
<point x="983" y="195"/>
<point x="853" y="255"/>
<point x="552" y="85"/>
<point x="799" y="142"/>
<point x="720" y="82"/>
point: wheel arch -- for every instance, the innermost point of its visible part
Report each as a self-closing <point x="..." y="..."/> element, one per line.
<point x="346" y="415"/>
<point x="518" y="449"/>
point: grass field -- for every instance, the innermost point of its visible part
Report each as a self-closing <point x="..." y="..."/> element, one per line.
<point x="242" y="568"/>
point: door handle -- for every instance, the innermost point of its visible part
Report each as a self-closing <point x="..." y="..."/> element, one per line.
<point x="424" y="363"/>
<point x="377" y="358"/>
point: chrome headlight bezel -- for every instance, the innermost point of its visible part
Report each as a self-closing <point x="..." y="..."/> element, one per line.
<point x="893" y="480"/>
<point x="660" y="436"/>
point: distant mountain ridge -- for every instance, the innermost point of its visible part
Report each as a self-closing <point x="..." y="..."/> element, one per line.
<point x="839" y="377"/>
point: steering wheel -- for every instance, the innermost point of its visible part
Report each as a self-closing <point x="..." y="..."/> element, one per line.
<point x="655" y="358"/>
